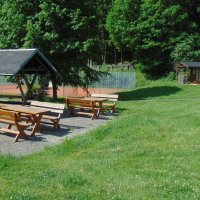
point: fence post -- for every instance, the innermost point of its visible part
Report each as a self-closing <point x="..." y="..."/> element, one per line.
<point x="63" y="94"/>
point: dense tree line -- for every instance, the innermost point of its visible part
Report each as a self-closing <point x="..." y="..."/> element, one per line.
<point x="157" y="32"/>
<point x="153" y="33"/>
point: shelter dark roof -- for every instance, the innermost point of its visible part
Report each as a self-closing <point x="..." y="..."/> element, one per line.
<point x="190" y="64"/>
<point x="30" y="60"/>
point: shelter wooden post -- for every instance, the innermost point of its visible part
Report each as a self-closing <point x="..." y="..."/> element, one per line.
<point x="29" y="85"/>
<point x="28" y="62"/>
<point x="18" y="80"/>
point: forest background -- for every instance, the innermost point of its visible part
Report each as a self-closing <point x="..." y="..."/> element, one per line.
<point x="150" y="34"/>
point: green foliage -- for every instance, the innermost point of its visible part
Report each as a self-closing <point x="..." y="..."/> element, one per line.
<point x="157" y="32"/>
<point x="157" y="25"/>
<point x="171" y="76"/>
<point x="11" y="25"/>
<point x="141" y="79"/>
<point x="187" y="48"/>
<point x="72" y="33"/>
<point x="121" y="21"/>
<point x="63" y="30"/>
<point x="144" y="80"/>
<point x="149" y="152"/>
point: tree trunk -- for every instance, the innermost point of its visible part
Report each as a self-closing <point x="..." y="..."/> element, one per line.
<point x="121" y="52"/>
<point x="115" y="56"/>
<point x="54" y="86"/>
<point x="105" y="53"/>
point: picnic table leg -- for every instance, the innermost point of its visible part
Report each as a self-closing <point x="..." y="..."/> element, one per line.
<point x="36" y="127"/>
<point x="70" y="111"/>
<point x="95" y="113"/>
<point x="21" y="132"/>
<point x="9" y="126"/>
<point x="101" y="106"/>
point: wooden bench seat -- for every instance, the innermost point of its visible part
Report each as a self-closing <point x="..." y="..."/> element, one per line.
<point x="86" y="107"/>
<point x="110" y="103"/>
<point x="12" y="118"/>
<point x="56" y="112"/>
<point x="53" y="117"/>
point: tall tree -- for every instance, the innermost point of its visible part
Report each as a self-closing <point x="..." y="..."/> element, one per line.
<point x="121" y="23"/>
<point x="187" y="43"/>
<point x="154" y="30"/>
<point x="102" y="8"/>
<point x="62" y="29"/>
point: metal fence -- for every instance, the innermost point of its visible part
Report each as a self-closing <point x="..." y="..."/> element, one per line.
<point x="3" y="80"/>
<point x="112" y="83"/>
<point x="119" y="80"/>
<point x="114" y="80"/>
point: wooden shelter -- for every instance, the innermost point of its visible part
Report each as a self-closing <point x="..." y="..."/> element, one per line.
<point x="190" y="70"/>
<point x="21" y="62"/>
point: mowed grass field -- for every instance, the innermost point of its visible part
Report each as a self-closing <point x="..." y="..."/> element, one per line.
<point x="151" y="151"/>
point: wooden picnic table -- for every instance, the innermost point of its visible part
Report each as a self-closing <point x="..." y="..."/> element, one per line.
<point x="36" y="114"/>
<point x="97" y="100"/>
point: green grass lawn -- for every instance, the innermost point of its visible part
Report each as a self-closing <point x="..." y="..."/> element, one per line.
<point x="152" y="151"/>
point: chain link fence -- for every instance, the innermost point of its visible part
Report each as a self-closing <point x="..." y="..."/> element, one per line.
<point x="112" y="83"/>
<point x="3" y="80"/>
<point x="118" y="80"/>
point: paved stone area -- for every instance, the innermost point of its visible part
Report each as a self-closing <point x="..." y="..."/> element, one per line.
<point x="70" y="127"/>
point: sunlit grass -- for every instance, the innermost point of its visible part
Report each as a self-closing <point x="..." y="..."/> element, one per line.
<point x="150" y="152"/>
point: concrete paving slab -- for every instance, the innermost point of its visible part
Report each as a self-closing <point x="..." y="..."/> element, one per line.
<point x="70" y="127"/>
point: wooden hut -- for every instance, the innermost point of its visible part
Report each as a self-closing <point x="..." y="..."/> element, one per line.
<point x="20" y="62"/>
<point x="190" y="72"/>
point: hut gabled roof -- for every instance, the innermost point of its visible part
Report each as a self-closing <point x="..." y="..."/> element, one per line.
<point x="190" y="64"/>
<point x="12" y="61"/>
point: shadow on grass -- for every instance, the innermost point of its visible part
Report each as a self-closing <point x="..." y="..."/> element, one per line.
<point x="144" y="93"/>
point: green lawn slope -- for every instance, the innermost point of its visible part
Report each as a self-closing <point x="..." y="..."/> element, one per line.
<point x="151" y="151"/>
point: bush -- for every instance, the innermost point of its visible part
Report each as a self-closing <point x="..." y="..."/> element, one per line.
<point x="141" y="79"/>
<point x="171" y="76"/>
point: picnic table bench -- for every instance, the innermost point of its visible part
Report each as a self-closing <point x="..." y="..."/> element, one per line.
<point x="35" y="114"/>
<point x="110" y="103"/>
<point x="83" y="105"/>
<point x="12" y="118"/>
<point x="55" y="114"/>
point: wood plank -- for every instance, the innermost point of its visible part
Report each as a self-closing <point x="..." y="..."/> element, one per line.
<point x="82" y="104"/>
<point x="6" y="113"/>
<point x="110" y="96"/>
<point x="79" y="106"/>
<point x="78" y="101"/>
<point x="108" y="104"/>
<point x="7" y="121"/>
<point x="9" y="131"/>
<point x="84" y="113"/>
<point x="53" y="108"/>
<point x="50" y="109"/>
<point x="48" y="105"/>
<point x="49" y="117"/>
<point x="24" y="109"/>
<point x="12" y="118"/>
<point x="7" y="116"/>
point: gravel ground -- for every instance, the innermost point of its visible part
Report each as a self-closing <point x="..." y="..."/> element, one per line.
<point x="70" y="127"/>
